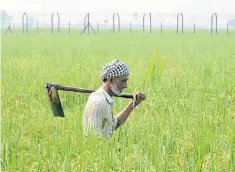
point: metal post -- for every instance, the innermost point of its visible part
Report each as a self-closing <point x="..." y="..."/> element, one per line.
<point x="194" y="28"/>
<point x="227" y="29"/>
<point x="87" y="17"/>
<point x="130" y="28"/>
<point x="85" y="23"/>
<point x="58" y="22"/>
<point x="69" y="27"/>
<point x="119" y="28"/>
<point x="37" y="27"/>
<point x="212" y="19"/>
<point x="182" y="22"/>
<point x="9" y="29"/>
<point x="114" y="14"/>
<point x="216" y="24"/>
<point x="143" y="21"/>
<point x="150" y="22"/>
<point x="23" y="23"/>
<point x="161" y="28"/>
<point x="98" y="28"/>
<point x="212" y="23"/>
<point x="52" y="22"/>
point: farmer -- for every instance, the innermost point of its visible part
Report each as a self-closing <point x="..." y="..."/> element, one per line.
<point x="98" y="115"/>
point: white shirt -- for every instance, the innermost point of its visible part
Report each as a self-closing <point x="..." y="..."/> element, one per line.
<point x="98" y="114"/>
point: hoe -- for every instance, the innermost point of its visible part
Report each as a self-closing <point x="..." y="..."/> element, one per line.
<point x="54" y="98"/>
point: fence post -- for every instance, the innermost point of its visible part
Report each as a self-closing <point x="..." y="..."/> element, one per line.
<point x="212" y="19"/>
<point x="9" y="29"/>
<point x="37" y="27"/>
<point x="150" y="22"/>
<point x="182" y="22"/>
<point x="52" y="22"/>
<point x="98" y="28"/>
<point x="227" y="29"/>
<point x="88" y="25"/>
<point x="23" y="24"/>
<point x="114" y="14"/>
<point x="143" y="21"/>
<point x="130" y="28"/>
<point x="194" y="28"/>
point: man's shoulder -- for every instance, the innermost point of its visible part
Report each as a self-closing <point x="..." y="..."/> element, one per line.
<point x="97" y="96"/>
<point x="96" y="101"/>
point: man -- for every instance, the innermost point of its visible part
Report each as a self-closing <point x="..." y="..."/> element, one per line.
<point x="98" y="115"/>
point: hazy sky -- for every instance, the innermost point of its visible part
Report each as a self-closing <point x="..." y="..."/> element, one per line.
<point x="164" y="6"/>
<point x="195" y="11"/>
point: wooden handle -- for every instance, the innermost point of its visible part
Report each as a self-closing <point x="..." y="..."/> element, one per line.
<point x="80" y="90"/>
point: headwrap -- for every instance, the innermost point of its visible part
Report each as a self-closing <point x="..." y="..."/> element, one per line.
<point x="114" y="69"/>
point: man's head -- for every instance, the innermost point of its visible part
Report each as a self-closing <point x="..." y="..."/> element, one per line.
<point x="115" y="75"/>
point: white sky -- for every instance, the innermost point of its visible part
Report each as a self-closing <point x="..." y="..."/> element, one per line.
<point x="161" y="6"/>
<point x="195" y="11"/>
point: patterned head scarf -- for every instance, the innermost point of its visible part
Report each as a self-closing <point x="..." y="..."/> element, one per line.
<point x="114" y="69"/>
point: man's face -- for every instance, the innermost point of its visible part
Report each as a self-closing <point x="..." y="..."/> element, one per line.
<point x="118" y="84"/>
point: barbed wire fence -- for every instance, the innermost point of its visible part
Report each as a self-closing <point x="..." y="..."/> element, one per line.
<point x="113" y="23"/>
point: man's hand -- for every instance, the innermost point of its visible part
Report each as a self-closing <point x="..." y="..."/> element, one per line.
<point x="138" y="98"/>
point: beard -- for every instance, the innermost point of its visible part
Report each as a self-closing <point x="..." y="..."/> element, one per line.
<point x="116" y="91"/>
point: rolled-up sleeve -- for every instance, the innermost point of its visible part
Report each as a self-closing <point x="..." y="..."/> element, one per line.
<point x="115" y="122"/>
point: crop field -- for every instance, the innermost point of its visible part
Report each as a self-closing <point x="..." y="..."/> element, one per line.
<point x="187" y="122"/>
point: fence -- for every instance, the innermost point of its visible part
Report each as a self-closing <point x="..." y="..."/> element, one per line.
<point x="87" y="23"/>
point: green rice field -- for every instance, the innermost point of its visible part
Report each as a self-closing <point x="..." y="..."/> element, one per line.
<point x="187" y="122"/>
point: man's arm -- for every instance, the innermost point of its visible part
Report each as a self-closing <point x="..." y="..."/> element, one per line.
<point x="123" y="115"/>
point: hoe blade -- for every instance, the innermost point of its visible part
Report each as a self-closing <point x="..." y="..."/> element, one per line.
<point x="55" y="102"/>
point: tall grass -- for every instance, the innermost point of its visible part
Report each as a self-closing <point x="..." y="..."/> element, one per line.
<point x="187" y="122"/>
